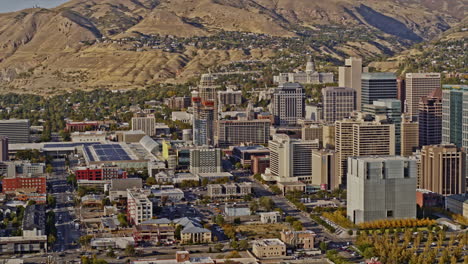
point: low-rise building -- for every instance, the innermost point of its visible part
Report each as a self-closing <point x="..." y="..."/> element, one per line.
<point x="23" y="244"/>
<point x="426" y="198"/>
<point x="298" y="239"/>
<point x="270" y="217"/>
<point x="193" y="231"/>
<point x="457" y="204"/>
<point x="229" y="190"/>
<point x="118" y="187"/>
<point x="154" y="232"/>
<point x="235" y="211"/>
<point x="167" y="192"/>
<point x="269" y="248"/>
<point x="89" y="136"/>
<point x="260" y="164"/>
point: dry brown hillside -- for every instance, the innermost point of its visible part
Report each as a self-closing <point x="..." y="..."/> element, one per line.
<point x="56" y="49"/>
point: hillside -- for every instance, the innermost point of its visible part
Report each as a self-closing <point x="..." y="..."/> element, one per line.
<point x="121" y="43"/>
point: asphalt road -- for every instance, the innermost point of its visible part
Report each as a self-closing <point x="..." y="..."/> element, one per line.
<point x="291" y="210"/>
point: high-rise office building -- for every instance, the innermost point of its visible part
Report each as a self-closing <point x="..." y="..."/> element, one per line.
<point x="350" y="76"/>
<point x="203" y="121"/>
<point x="389" y="109"/>
<point x="378" y="85"/>
<point x="357" y="137"/>
<point x="417" y="86"/>
<point x="205" y="160"/>
<point x="290" y="159"/>
<point x="443" y="169"/>
<point x="145" y="124"/>
<point x="455" y="116"/>
<point x="409" y="136"/>
<point x="3" y="148"/>
<point x="430" y="119"/>
<point x="338" y="103"/>
<point x="381" y="188"/>
<point x="324" y="169"/>
<point x="288" y="103"/>
<point x="205" y="114"/>
<point x="401" y="93"/>
<point x="17" y="130"/>
<point x="237" y="132"/>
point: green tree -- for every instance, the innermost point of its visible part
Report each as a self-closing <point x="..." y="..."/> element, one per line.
<point x="85" y="240"/>
<point x="297" y="225"/>
<point x="51" y="201"/>
<point x="178" y="231"/>
<point x="243" y="244"/>
<point x="150" y="181"/>
<point x="130" y="251"/>
<point x="323" y="246"/>
<point x="122" y="219"/>
<point x="219" y="247"/>
<point x="267" y="203"/>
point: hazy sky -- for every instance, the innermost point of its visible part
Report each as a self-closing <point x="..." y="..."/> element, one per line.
<point x="15" y="5"/>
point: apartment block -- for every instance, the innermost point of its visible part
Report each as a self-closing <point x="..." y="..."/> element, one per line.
<point x="409" y="137"/>
<point x="238" y="132"/>
<point x="145" y="124"/>
<point x="290" y="159"/>
<point x="139" y="207"/>
<point x="205" y="160"/>
<point x="229" y="190"/>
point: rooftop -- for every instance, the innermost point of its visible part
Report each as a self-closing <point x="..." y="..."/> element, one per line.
<point x="268" y="242"/>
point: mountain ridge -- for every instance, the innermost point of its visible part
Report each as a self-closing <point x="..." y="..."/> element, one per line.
<point x="38" y="47"/>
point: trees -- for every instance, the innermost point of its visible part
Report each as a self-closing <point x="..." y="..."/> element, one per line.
<point x="85" y="240"/>
<point x="150" y="181"/>
<point x="122" y="219"/>
<point x="51" y="201"/>
<point x="323" y="246"/>
<point x="130" y="251"/>
<point x="243" y="244"/>
<point x="219" y="247"/>
<point x="267" y="203"/>
<point x="297" y="225"/>
<point x="177" y="232"/>
<point x="253" y="206"/>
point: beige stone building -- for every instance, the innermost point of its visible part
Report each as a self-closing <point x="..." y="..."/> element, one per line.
<point x="409" y="137"/>
<point x="357" y="137"/>
<point x="298" y="239"/>
<point x="443" y="169"/>
<point x="269" y="248"/>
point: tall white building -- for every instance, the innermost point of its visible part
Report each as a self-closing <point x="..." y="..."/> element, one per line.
<point x="205" y="160"/>
<point x="350" y="76"/>
<point x="381" y="188"/>
<point x="419" y="85"/>
<point x="291" y="159"/>
<point x="145" y="124"/>
<point x="288" y="103"/>
<point x="139" y="207"/>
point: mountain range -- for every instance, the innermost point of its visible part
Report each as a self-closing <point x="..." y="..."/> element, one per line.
<point x="87" y="44"/>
